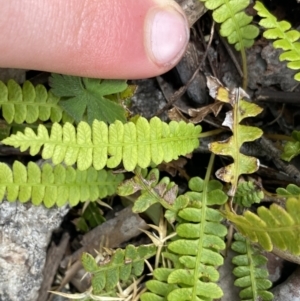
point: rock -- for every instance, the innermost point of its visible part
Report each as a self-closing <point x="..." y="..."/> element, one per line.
<point x="25" y="231"/>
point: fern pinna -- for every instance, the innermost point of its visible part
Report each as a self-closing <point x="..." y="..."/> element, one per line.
<point x="55" y="185"/>
<point x="99" y="145"/>
<point x="195" y="250"/>
<point x="250" y="276"/>
<point x="29" y="104"/>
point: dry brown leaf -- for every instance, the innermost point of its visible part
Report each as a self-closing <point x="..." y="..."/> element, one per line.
<point x="199" y="114"/>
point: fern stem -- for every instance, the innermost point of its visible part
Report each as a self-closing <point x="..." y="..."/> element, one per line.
<point x="211" y="133"/>
<point x="202" y="225"/>
<point x="252" y="269"/>
<point x="245" y="68"/>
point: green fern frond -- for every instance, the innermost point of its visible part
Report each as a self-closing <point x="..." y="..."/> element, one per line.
<point x="119" y="267"/>
<point x="153" y="190"/>
<point x="55" y="185"/>
<point x="235" y="23"/>
<point x="251" y="277"/>
<point x="137" y="144"/>
<point x="29" y="104"/>
<point x="286" y="38"/>
<point x="274" y="226"/>
<point x="291" y="190"/>
<point x="247" y="194"/>
<point x="200" y="237"/>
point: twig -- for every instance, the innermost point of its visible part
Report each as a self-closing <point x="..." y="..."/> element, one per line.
<point x="183" y="89"/>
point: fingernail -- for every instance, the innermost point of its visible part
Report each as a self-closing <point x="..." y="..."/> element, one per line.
<point x="167" y="34"/>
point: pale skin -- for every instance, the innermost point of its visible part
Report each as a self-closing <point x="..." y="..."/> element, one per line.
<point x="95" y="38"/>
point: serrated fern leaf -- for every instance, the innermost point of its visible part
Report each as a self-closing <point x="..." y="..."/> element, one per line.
<point x="286" y="38"/>
<point x="235" y="23"/>
<point x="119" y="267"/>
<point x="29" y="104"/>
<point x="251" y="276"/>
<point x="274" y="226"/>
<point x="241" y="133"/>
<point x="101" y="145"/>
<point x="248" y="193"/>
<point x="55" y="185"/>
<point x="291" y="148"/>
<point x="153" y="190"/>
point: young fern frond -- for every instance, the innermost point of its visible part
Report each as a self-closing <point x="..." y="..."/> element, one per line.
<point x="271" y="227"/>
<point x="153" y="189"/>
<point x="286" y="38"/>
<point x="55" y="185"/>
<point x="200" y="237"/>
<point x="251" y="277"/>
<point x="119" y="267"/>
<point x="29" y="104"/>
<point x="100" y="145"/>
<point x="247" y="194"/>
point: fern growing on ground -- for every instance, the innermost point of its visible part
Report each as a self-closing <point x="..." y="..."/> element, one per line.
<point x="251" y="277"/>
<point x="55" y="185"/>
<point x="286" y="38"/>
<point x="29" y="104"/>
<point x="137" y="144"/>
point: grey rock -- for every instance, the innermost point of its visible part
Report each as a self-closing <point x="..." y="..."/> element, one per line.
<point x="8" y="73"/>
<point x="288" y="290"/>
<point x="265" y="69"/>
<point x="25" y="231"/>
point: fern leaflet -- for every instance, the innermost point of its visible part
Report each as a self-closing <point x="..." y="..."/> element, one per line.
<point x="286" y="38"/>
<point x="100" y="145"/>
<point x="29" y="103"/>
<point x="250" y="277"/>
<point x="274" y="226"/>
<point x="55" y="186"/>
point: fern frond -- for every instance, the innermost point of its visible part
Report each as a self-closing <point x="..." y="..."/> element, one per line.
<point x="235" y="23"/>
<point x="248" y="193"/>
<point x="249" y="272"/>
<point x="274" y="226"/>
<point x="55" y="186"/>
<point x="241" y="133"/>
<point x="29" y="104"/>
<point x="200" y="238"/>
<point x="119" y="267"/>
<point x="100" y="145"/>
<point x="286" y="38"/>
